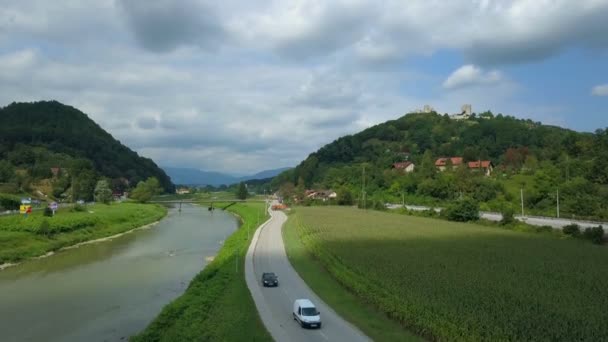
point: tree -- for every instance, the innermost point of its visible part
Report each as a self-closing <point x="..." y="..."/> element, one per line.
<point x="242" y="192"/>
<point x="103" y="193"/>
<point x="145" y="190"/>
<point x="462" y="211"/>
<point x="345" y="197"/>
<point x="7" y="171"/>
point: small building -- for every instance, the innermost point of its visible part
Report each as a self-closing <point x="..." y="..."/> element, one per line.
<point x="442" y="163"/>
<point x="405" y="166"/>
<point x="323" y="195"/>
<point x="482" y="165"/>
<point x="182" y="191"/>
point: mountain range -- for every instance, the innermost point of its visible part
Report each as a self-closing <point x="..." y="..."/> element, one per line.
<point x="190" y="176"/>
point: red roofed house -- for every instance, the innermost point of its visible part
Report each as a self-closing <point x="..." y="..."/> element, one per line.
<point x="442" y="163"/>
<point x="484" y="165"/>
<point x="405" y="166"/>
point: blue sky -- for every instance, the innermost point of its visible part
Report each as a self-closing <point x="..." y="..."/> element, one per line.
<point x="219" y="85"/>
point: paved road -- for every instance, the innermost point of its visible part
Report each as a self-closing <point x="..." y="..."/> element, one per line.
<point x="532" y="220"/>
<point x="267" y="254"/>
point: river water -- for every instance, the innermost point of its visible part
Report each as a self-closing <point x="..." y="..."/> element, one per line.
<point x="109" y="290"/>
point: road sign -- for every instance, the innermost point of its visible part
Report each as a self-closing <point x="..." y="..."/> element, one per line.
<point x="53" y="206"/>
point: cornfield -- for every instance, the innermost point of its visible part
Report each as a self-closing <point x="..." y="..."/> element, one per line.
<point x="451" y="281"/>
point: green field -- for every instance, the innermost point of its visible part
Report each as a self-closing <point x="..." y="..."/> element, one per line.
<point x="217" y="305"/>
<point x="22" y="237"/>
<point x="452" y="281"/>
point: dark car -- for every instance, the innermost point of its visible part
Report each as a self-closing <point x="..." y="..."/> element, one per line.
<point x="270" y="279"/>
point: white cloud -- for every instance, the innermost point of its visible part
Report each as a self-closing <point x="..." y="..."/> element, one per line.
<point x="600" y="90"/>
<point x="471" y="75"/>
<point x="218" y="85"/>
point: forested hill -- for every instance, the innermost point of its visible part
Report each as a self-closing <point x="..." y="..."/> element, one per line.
<point x="38" y="136"/>
<point x="535" y="156"/>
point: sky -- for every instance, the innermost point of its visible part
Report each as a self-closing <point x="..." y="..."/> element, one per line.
<point x="241" y="86"/>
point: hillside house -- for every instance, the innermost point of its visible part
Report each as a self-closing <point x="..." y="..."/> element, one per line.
<point x="323" y="195"/>
<point x="485" y="166"/>
<point x="442" y="163"/>
<point x="405" y="166"/>
<point x="182" y="191"/>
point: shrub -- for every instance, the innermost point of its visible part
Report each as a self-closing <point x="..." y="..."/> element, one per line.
<point x="47" y="212"/>
<point x="508" y="216"/>
<point x="572" y="229"/>
<point x="79" y="207"/>
<point x="44" y="228"/>
<point x="379" y="205"/>
<point x="543" y="229"/>
<point x="595" y="234"/>
<point x="9" y="203"/>
<point x="462" y="211"/>
<point x="345" y="197"/>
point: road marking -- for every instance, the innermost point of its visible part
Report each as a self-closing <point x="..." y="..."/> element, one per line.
<point x="322" y="334"/>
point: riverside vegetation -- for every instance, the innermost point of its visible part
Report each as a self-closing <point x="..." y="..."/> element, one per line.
<point x="455" y="281"/>
<point x="217" y="305"/>
<point x="36" y="235"/>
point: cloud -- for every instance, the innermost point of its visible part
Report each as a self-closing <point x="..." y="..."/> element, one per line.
<point x="164" y="25"/>
<point x="220" y="84"/>
<point x="600" y="90"/>
<point x="471" y="75"/>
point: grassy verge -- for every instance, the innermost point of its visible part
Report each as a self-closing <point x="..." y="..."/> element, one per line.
<point x="22" y="238"/>
<point x="369" y="319"/>
<point x="454" y="281"/>
<point x="217" y="305"/>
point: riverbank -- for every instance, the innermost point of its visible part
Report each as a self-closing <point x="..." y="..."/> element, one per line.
<point x="37" y="236"/>
<point x="217" y="305"/>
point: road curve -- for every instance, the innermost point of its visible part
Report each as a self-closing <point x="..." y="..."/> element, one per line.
<point x="267" y="254"/>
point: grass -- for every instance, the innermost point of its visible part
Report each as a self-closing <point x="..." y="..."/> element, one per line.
<point x="21" y="238"/>
<point x="369" y="319"/>
<point x="453" y="281"/>
<point x="217" y="305"/>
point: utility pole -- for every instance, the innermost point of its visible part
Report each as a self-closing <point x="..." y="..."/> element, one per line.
<point x="363" y="188"/>
<point x="557" y="202"/>
<point x="522" y="201"/>
<point x="403" y="199"/>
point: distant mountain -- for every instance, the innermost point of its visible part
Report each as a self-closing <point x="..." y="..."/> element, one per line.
<point x="40" y="137"/>
<point x="189" y="176"/>
<point x="266" y="173"/>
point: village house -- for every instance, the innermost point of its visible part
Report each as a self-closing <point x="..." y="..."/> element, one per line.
<point x="182" y="191"/>
<point x="484" y="165"/>
<point x="442" y="163"/>
<point x="405" y="166"/>
<point x="323" y="195"/>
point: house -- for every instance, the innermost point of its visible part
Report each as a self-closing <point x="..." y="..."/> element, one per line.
<point x="405" y="166"/>
<point x="442" y="163"/>
<point x="485" y="165"/>
<point x="323" y="195"/>
<point x="182" y="191"/>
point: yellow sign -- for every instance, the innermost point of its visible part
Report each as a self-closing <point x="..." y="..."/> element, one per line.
<point x="25" y="209"/>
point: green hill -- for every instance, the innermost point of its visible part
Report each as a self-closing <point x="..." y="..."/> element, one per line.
<point x="528" y="155"/>
<point x="48" y="145"/>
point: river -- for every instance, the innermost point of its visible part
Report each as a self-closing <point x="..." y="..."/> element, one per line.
<point x="109" y="290"/>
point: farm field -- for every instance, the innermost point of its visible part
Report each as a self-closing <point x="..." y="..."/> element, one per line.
<point x="21" y="237"/>
<point x="453" y="281"/>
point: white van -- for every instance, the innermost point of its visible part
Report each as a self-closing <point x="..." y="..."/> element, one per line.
<point x="305" y="313"/>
